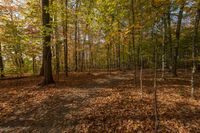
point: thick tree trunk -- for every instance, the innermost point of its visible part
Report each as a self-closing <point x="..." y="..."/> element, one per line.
<point x="48" y="78"/>
<point x="194" y="43"/>
<point x="178" y="30"/>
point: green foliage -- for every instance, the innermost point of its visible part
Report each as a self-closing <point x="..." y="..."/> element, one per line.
<point x="100" y="23"/>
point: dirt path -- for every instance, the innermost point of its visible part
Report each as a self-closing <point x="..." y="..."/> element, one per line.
<point x="96" y="103"/>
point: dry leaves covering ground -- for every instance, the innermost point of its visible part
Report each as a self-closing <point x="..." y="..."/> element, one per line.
<point x="98" y="103"/>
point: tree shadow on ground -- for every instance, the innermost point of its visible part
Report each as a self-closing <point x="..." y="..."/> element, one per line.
<point x="74" y="105"/>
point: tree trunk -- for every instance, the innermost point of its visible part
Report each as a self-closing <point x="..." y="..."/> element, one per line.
<point x="178" y="30"/>
<point x="83" y="52"/>
<point x="90" y="52"/>
<point x="141" y="73"/>
<point x="130" y="48"/>
<point x="123" y="58"/>
<point x="169" y="32"/>
<point x="108" y="59"/>
<point x="141" y="52"/>
<point x="42" y="67"/>
<point x="76" y="37"/>
<point x="48" y="78"/>
<point x="164" y="45"/>
<point x="155" y="89"/>
<point x="133" y="39"/>
<point x="1" y="63"/>
<point x="194" y="43"/>
<point x="57" y="44"/>
<point x="119" y="50"/>
<point x="65" y="32"/>
<point x="33" y="65"/>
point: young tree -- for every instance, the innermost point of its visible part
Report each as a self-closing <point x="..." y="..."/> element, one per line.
<point x="1" y="63"/>
<point x="133" y="38"/>
<point x="76" y="36"/>
<point x="194" y="43"/>
<point x="164" y="42"/>
<point x="155" y="85"/>
<point x="65" y="32"/>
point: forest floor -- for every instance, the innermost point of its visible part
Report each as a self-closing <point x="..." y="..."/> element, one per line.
<point x="98" y="103"/>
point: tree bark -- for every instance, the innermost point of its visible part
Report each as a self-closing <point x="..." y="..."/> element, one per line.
<point x="164" y="45"/>
<point x="65" y="33"/>
<point x="155" y="88"/>
<point x="141" y="75"/>
<point x="169" y="32"/>
<point x="108" y="58"/>
<point x="48" y="77"/>
<point x="83" y="51"/>
<point x="76" y="37"/>
<point x="178" y="30"/>
<point x="34" y="64"/>
<point x="133" y="40"/>
<point x="1" y="63"/>
<point x="42" y="68"/>
<point x="119" y="49"/>
<point x="91" y="53"/>
<point x="57" y="44"/>
<point x="194" y="42"/>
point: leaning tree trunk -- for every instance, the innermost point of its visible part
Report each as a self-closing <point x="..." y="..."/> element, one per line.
<point x="194" y="42"/>
<point x="48" y="78"/>
<point x="178" y="30"/>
